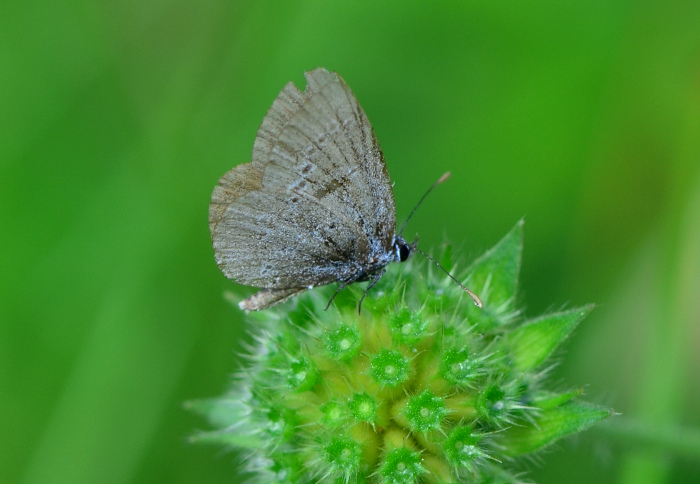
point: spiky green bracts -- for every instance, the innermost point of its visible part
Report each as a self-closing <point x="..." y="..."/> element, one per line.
<point x="422" y="387"/>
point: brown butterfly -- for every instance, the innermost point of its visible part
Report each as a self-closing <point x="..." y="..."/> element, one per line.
<point x="315" y="205"/>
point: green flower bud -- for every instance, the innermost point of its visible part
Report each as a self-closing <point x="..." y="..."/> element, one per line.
<point x="389" y="368"/>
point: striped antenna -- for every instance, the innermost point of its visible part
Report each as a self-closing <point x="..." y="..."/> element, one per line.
<point x="442" y="179"/>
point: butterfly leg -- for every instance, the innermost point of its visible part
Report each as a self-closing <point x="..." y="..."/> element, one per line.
<point x="375" y="279"/>
<point x="341" y="286"/>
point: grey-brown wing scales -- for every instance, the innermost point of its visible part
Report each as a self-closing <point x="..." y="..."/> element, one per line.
<point x="263" y="241"/>
<point x="315" y="202"/>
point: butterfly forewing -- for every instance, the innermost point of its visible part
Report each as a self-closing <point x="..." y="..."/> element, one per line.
<point x="315" y="205"/>
<point x="328" y="151"/>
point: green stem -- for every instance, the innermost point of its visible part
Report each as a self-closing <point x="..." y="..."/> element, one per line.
<point x="668" y="438"/>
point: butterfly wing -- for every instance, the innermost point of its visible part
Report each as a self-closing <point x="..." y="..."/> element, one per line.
<point x="315" y="205"/>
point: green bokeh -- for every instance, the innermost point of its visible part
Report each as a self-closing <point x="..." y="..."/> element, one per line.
<point x="117" y="118"/>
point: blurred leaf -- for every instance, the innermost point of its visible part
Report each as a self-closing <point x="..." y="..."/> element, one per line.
<point x="494" y="276"/>
<point x="226" y="438"/>
<point x="219" y="411"/>
<point x="551" y="425"/>
<point x="532" y="343"/>
<point x="547" y="401"/>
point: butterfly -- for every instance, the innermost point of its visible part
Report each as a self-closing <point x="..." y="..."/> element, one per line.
<point x="314" y="206"/>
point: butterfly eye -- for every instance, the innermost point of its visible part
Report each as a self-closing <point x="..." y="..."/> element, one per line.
<point x="404" y="252"/>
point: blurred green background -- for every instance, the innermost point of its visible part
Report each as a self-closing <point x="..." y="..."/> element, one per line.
<point x="117" y="119"/>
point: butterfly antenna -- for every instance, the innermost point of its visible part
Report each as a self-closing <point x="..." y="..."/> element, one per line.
<point x="443" y="178"/>
<point x="475" y="298"/>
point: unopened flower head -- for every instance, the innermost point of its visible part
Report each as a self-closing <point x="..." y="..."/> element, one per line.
<point x="422" y="386"/>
